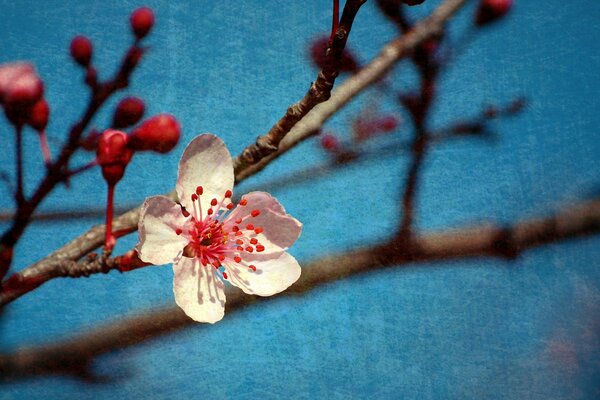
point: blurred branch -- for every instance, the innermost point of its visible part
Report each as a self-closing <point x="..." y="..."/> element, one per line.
<point x="52" y="266"/>
<point x="74" y="355"/>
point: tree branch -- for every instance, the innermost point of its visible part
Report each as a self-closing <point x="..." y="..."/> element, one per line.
<point x="74" y="355"/>
<point x="52" y="266"/>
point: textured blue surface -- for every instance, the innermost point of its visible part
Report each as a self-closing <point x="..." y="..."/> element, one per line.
<point x="465" y="329"/>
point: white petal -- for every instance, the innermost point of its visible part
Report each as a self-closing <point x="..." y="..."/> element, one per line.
<point x="205" y="162"/>
<point x="198" y="290"/>
<point x="158" y="242"/>
<point x="272" y="275"/>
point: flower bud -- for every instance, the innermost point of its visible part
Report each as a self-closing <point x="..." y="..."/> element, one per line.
<point x="113" y="155"/>
<point x="38" y="115"/>
<point x="159" y="133"/>
<point x="491" y="10"/>
<point x="330" y="143"/>
<point x="141" y="21"/>
<point x="318" y="55"/>
<point x="128" y="112"/>
<point x="81" y="50"/>
<point x="10" y="72"/>
<point x="19" y="85"/>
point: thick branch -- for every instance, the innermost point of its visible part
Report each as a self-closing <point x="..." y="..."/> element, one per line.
<point x="74" y="355"/>
<point x="52" y="265"/>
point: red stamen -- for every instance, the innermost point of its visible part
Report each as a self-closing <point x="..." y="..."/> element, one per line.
<point x="225" y="275"/>
<point x="254" y="240"/>
<point x="221" y="257"/>
<point x="194" y="197"/>
<point x="184" y="212"/>
<point x="260" y="248"/>
<point x="178" y="231"/>
<point x="237" y="259"/>
<point x="239" y="241"/>
<point x="250" y="227"/>
<point x="252" y="267"/>
<point x="255" y="213"/>
<point x="235" y="228"/>
<point x="243" y="202"/>
<point x="230" y="206"/>
<point x="228" y="194"/>
<point x="210" y="211"/>
<point x="213" y="202"/>
<point x="258" y="230"/>
<point x="199" y="190"/>
<point x="238" y="233"/>
<point x="238" y="221"/>
<point x="249" y="249"/>
<point x="240" y="248"/>
<point x="216" y="263"/>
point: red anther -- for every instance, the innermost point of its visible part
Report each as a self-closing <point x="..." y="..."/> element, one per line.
<point x="128" y="112"/>
<point x="330" y="143"/>
<point x="250" y="227"/>
<point x="141" y="21"/>
<point x="159" y="133"/>
<point x="221" y="257"/>
<point x="113" y="155"/>
<point x="240" y="248"/>
<point x="252" y="267"/>
<point x="210" y="211"/>
<point x="491" y="10"/>
<point x="225" y="275"/>
<point x="260" y="248"/>
<point x="184" y="212"/>
<point x="237" y="259"/>
<point x="213" y="202"/>
<point x="199" y="190"/>
<point x="254" y="240"/>
<point x="239" y="241"/>
<point x="38" y="116"/>
<point x="238" y="233"/>
<point x="255" y="213"/>
<point x="230" y="206"/>
<point x="258" y="230"/>
<point x="249" y="249"/>
<point x="235" y="228"/>
<point x="178" y="231"/>
<point x="228" y="194"/>
<point x="238" y="221"/>
<point x="81" y="50"/>
<point x="243" y="202"/>
<point x="216" y="263"/>
<point x="194" y="197"/>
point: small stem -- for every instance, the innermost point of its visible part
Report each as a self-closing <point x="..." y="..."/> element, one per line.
<point x="45" y="148"/>
<point x="19" y="195"/>
<point x="109" y="239"/>
<point x="83" y="168"/>
<point x="335" y="20"/>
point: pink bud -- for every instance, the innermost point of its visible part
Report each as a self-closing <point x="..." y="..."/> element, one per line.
<point x="20" y="85"/>
<point x="129" y="111"/>
<point x="81" y="50"/>
<point x="113" y="155"/>
<point x="159" y="133"/>
<point x="141" y="21"/>
<point x="10" y="72"/>
<point x="38" y="115"/>
<point x="491" y="10"/>
<point x="330" y="143"/>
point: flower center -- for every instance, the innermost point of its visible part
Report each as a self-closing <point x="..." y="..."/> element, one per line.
<point x="215" y="239"/>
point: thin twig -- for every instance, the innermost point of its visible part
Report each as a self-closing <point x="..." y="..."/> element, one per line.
<point x="74" y="355"/>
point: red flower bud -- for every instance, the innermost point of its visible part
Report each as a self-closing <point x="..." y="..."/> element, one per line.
<point x="491" y="10"/>
<point x="38" y="115"/>
<point x="128" y="112"/>
<point x="81" y="50"/>
<point x="20" y="85"/>
<point x="141" y="21"/>
<point x="319" y="57"/>
<point x="159" y="133"/>
<point x="330" y="143"/>
<point x="113" y="155"/>
<point x="10" y="72"/>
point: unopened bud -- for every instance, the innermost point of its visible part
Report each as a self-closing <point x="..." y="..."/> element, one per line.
<point x="113" y="155"/>
<point x="141" y="21"/>
<point x="128" y="112"/>
<point x="159" y="133"/>
<point x="38" y="115"/>
<point x="330" y="143"/>
<point x="81" y="50"/>
<point x="491" y="10"/>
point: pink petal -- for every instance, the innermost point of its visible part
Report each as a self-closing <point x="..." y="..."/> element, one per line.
<point x="198" y="291"/>
<point x="205" y="162"/>
<point x="271" y="276"/>
<point x="279" y="231"/>
<point x="158" y="241"/>
<point x="9" y="72"/>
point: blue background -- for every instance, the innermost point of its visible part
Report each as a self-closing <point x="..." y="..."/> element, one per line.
<point x="481" y="328"/>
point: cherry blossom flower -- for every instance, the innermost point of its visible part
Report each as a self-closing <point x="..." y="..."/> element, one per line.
<point x="210" y="240"/>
